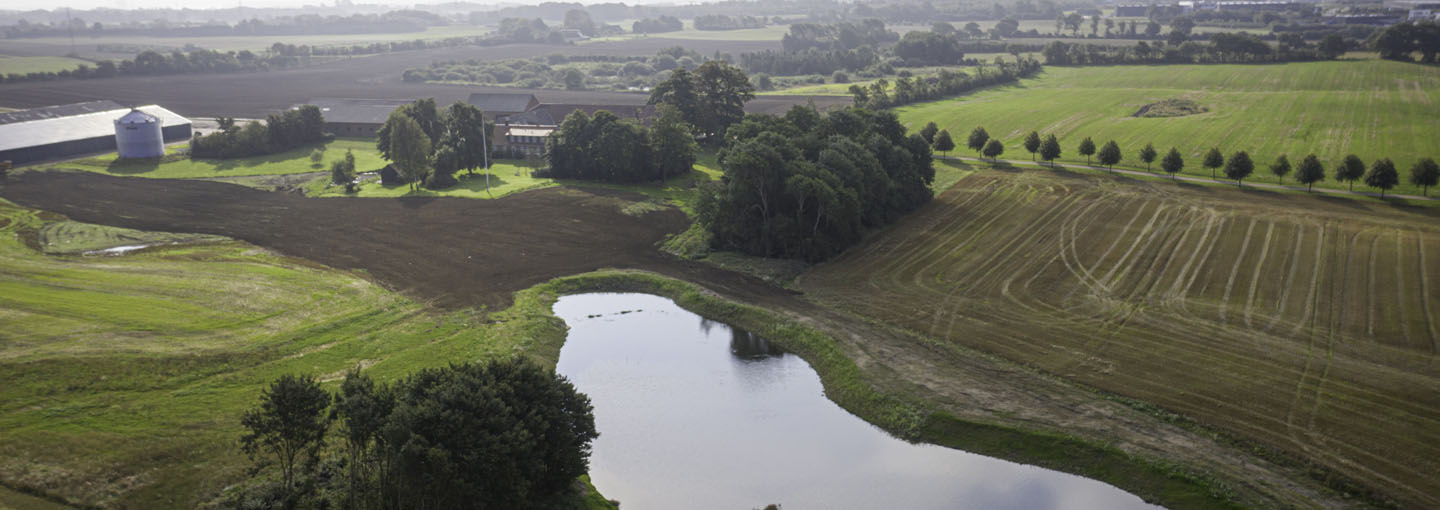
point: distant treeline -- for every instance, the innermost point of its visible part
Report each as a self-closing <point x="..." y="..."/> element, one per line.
<point x="1226" y="48"/>
<point x="390" y="22"/>
<point x="280" y="132"/>
<point x="948" y="83"/>
<point x="153" y="63"/>
<point x="837" y="36"/>
<point x="657" y="25"/>
<point x="726" y="22"/>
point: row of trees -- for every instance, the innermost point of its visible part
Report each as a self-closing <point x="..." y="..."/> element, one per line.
<point x="658" y="25"/>
<point x="606" y="148"/>
<point x="496" y="435"/>
<point x="1382" y="174"/>
<point x="807" y="185"/>
<point x="879" y="94"/>
<point x="725" y="22"/>
<point x="154" y="63"/>
<point x="837" y="36"/>
<point x="280" y="132"/>
<point x="427" y="145"/>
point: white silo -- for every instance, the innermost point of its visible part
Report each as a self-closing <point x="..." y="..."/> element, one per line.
<point x="138" y="135"/>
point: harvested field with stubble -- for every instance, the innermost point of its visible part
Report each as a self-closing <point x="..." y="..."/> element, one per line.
<point x="1308" y="324"/>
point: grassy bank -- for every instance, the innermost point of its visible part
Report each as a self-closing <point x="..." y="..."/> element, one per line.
<point x="294" y="161"/>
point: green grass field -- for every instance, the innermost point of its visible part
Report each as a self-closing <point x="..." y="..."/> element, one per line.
<point x="23" y="65"/>
<point x="122" y="378"/>
<point x="1371" y="108"/>
<point x="294" y="161"/>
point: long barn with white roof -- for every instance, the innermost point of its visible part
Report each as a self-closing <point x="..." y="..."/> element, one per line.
<point x="65" y="131"/>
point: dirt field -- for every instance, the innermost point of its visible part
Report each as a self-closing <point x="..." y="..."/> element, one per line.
<point x="1308" y="323"/>
<point x="472" y="253"/>
<point x="252" y="95"/>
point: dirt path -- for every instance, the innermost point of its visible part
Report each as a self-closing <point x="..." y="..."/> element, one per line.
<point x="1194" y="179"/>
<point x="476" y="253"/>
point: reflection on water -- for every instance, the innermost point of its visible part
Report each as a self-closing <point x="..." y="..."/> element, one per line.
<point x="683" y="425"/>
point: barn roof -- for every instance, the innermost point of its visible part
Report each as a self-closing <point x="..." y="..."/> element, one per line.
<point x="503" y="102"/>
<point x="47" y="127"/>
<point x="356" y="111"/>
<point x="53" y="112"/>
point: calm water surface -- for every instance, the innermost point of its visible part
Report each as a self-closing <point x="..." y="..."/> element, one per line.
<point x="696" y="415"/>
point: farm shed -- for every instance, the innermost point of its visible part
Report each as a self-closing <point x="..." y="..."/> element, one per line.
<point x="356" y="118"/>
<point x="57" y="132"/>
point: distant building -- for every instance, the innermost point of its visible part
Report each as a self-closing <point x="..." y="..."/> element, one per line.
<point x="525" y="133"/>
<point x="356" y="118"/>
<point x="1132" y="11"/>
<point x="499" y="105"/>
<point x="72" y="130"/>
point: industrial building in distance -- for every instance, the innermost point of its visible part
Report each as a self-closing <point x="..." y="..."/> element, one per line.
<point x="66" y="131"/>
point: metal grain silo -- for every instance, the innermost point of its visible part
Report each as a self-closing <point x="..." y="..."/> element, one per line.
<point x="138" y="135"/>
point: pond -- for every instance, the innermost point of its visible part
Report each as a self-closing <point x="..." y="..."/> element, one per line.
<point x="695" y="414"/>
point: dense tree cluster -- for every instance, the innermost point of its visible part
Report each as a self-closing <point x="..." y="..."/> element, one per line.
<point x="427" y="145"/>
<point x="880" y="94"/>
<point x="521" y="30"/>
<point x="809" y="61"/>
<point x="658" y="25"/>
<point x="710" y="99"/>
<point x="280" y="132"/>
<point x="928" y="48"/>
<point x="838" y="36"/>
<point x="610" y="149"/>
<point x="807" y="185"/>
<point x="495" y="435"/>
<point x="727" y="22"/>
<point x="1400" y="41"/>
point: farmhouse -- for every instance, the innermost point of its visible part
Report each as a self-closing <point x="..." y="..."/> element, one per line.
<point x="524" y="134"/>
<point x="56" y="132"/>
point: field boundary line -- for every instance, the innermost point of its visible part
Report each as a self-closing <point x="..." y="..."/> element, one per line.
<point x="1205" y="180"/>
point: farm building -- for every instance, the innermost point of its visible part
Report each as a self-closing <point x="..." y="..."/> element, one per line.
<point x="56" y="132"/>
<point x="522" y="122"/>
<point x="358" y="118"/>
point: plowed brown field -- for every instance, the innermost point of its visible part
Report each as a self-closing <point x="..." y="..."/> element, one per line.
<point x="1306" y="323"/>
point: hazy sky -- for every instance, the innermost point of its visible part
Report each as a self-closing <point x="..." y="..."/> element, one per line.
<point x="25" y="5"/>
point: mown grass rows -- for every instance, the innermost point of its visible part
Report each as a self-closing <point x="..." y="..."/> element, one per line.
<point x="1373" y="108"/>
<point x="1283" y="323"/>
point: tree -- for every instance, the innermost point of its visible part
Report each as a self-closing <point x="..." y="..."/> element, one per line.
<point x="409" y="148"/>
<point x="994" y="149"/>
<point x="1087" y="148"/>
<point x="1050" y="149"/>
<point x="443" y="165"/>
<point x="343" y="171"/>
<point x="1110" y="155"/>
<point x="426" y="116"/>
<point x="943" y="143"/>
<point x="671" y="142"/>
<point x="465" y="134"/>
<point x="977" y="140"/>
<point x="1332" y="46"/>
<point x="1280" y="167"/>
<point x="580" y="20"/>
<point x="316" y="157"/>
<point x="1425" y="173"/>
<point x="574" y="79"/>
<point x="289" y="422"/>
<point x="1310" y="172"/>
<point x="929" y="131"/>
<point x="1032" y="144"/>
<point x="1382" y="175"/>
<point x="1213" y="160"/>
<point x="1148" y="155"/>
<point x="711" y="98"/>
<point x="1350" y="170"/>
<point x="362" y="408"/>
<point x="1173" y="163"/>
<point x="1239" y="166"/>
